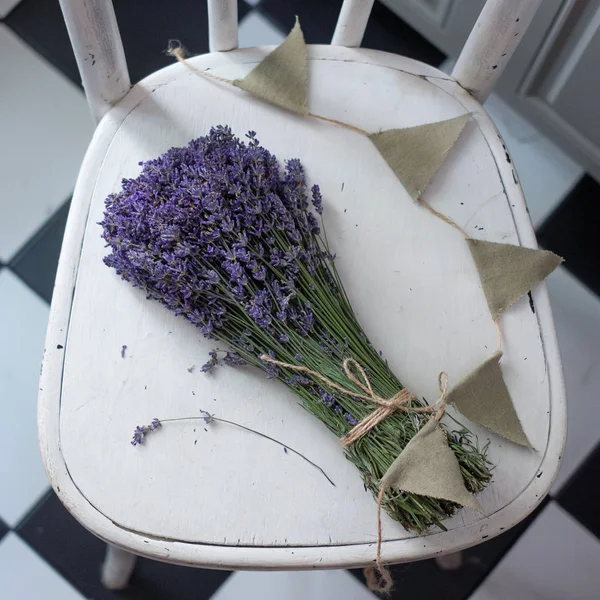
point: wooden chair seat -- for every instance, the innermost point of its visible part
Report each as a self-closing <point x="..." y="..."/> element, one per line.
<point x="218" y="497"/>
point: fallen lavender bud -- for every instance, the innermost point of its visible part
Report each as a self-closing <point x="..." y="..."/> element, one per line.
<point x="233" y="359"/>
<point x="206" y="417"/>
<point x="141" y="431"/>
<point x="208" y="367"/>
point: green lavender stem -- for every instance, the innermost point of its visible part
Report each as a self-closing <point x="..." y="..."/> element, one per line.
<point x="263" y="435"/>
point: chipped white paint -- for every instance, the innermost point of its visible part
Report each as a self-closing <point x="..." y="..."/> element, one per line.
<point x="98" y="49"/>
<point x="226" y="499"/>
<point x="352" y="22"/>
<point x="493" y="40"/>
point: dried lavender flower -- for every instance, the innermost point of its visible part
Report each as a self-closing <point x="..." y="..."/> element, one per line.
<point x="233" y="359"/>
<point x="206" y="417"/>
<point x="141" y="431"/>
<point x="139" y="435"/>
<point x="208" y="367"/>
<point x="352" y="420"/>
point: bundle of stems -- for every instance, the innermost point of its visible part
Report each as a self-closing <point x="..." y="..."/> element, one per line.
<point x="220" y="233"/>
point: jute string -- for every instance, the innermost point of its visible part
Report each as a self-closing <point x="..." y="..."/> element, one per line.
<point x="378" y="578"/>
<point x="498" y="332"/>
<point x="441" y="216"/>
<point x="386" y="406"/>
<point x="177" y="51"/>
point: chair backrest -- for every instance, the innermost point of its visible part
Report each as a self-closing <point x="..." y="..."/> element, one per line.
<point x="98" y="49"/>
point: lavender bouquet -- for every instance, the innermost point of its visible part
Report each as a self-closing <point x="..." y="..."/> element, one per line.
<point x="219" y="233"/>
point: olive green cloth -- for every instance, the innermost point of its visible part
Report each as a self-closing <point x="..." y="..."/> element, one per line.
<point x="508" y="272"/>
<point x="282" y="77"/>
<point x="483" y="398"/>
<point x="428" y="467"/>
<point x="416" y="153"/>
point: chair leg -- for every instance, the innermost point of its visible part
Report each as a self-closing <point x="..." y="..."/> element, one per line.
<point x="450" y="562"/>
<point x="117" y="568"/>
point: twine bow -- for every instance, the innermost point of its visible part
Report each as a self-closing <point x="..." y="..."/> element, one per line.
<point x="385" y="406"/>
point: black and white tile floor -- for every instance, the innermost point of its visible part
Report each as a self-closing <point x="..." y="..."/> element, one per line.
<point x="44" y="130"/>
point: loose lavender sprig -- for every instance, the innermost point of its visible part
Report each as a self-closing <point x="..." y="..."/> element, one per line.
<point x="217" y="233"/>
<point x="141" y="431"/>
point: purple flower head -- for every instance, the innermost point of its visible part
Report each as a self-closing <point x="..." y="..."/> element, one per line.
<point x="325" y="348"/>
<point x="313" y="224"/>
<point x="206" y="416"/>
<point x="326" y="398"/>
<point x="139" y="435"/>
<point x="212" y="277"/>
<point x="233" y="359"/>
<point x="208" y="366"/>
<point x="317" y="199"/>
<point x="259" y="272"/>
<point x="141" y="431"/>
<point x="352" y="420"/>
<point x="300" y="379"/>
<point x="223" y="234"/>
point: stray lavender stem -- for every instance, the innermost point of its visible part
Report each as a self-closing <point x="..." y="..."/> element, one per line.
<point x="264" y="435"/>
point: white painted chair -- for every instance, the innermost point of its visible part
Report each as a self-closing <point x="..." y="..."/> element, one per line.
<point x="226" y="499"/>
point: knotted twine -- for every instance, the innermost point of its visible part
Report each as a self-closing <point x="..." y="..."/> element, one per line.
<point x="385" y="407"/>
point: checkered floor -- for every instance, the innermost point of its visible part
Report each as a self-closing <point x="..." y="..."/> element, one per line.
<point x="44" y="130"/>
